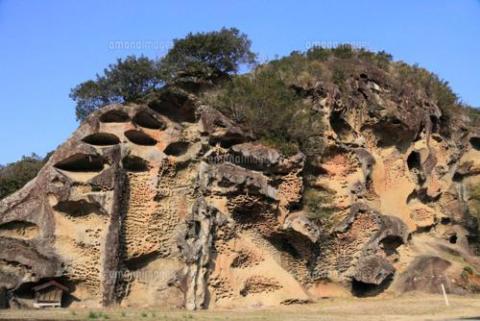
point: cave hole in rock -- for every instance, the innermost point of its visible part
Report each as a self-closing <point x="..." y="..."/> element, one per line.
<point x="283" y="244"/>
<point x="139" y="262"/>
<point x="140" y="138"/>
<point x="101" y="139"/>
<point x="435" y="123"/>
<point x="340" y="126"/>
<point x="250" y="213"/>
<point x="315" y="170"/>
<point x="445" y="220"/>
<point x="114" y="116"/>
<point x="390" y="244"/>
<point x="22" y="229"/>
<point x="414" y="161"/>
<point x="82" y="163"/>
<point x="78" y="208"/>
<point x="396" y="121"/>
<point x="475" y="142"/>
<point x="458" y="177"/>
<point x="146" y="120"/>
<point x="135" y="164"/>
<point x="362" y="289"/>
<point x="178" y="108"/>
<point x="421" y="132"/>
<point x="422" y="195"/>
<point x="26" y="290"/>
<point x="177" y="148"/>
<point x="242" y="260"/>
<point x="424" y="229"/>
<point x="227" y="141"/>
<point x="453" y="238"/>
<point x="392" y="133"/>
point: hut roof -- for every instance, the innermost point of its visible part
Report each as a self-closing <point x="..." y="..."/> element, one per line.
<point x="50" y="284"/>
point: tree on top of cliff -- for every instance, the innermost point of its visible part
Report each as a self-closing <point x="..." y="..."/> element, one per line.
<point x="209" y="54"/>
<point x="127" y="80"/>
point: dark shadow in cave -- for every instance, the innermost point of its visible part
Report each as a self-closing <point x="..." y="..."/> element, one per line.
<point x="82" y="163"/>
<point x="146" y="120"/>
<point x="114" y="116"/>
<point x="363" y="290"/>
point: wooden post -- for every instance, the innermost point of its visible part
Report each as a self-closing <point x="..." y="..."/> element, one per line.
<point x="445" y="295"/>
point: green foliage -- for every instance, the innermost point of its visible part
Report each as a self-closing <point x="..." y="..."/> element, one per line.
<point x="381" y="59"/>
<point x="473" y="114"/>
<point x="474" y="201"/>
<point x="265" y="104"/>
<point x="468" y="269"/>
<point x="318" y="53"/>
<point x="92" y="315"/>
<point x="341" y="64"/>
<point x="421" y="80"/>
<point x="15" y="175"/>
<point x="318" y="203"/>
<point x="206" y="55"/>
<point x="210" y="54"/>
<point x="339" y="76"/>
<point x="127" y="80"/>
<point x="343" y="51"/>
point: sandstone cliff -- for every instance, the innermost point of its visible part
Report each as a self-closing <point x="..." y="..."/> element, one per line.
<point x="172" y="203"/>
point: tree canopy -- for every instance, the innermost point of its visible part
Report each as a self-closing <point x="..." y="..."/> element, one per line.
<point x="127" y="80"/>
<point x="207" y="55"/>
<point x="212" y="54"/>
<point x="15" y="175"/>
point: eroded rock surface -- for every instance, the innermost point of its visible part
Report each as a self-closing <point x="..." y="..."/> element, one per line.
<point x="174" y="204"/>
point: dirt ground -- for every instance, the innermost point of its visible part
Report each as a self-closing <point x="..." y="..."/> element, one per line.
<point x="405" y="308"/>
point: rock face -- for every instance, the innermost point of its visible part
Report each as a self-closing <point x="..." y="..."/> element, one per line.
<point x="174" y="204"/>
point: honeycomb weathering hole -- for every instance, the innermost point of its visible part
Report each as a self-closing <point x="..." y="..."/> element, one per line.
<point x="361" y="289"/>
<point x="391" y="243"/>
<point x="140" y="138"/>
<point x="114" y="116"/>
<point x="176" y="107"/>
<point x="101" y="139"/>
<point x="135" y="164"/>
<point x="20" y="229"/>
<point x="475" y="142"/>
<point x="82" y="163"/>
<point x="145" y="119"/>
<point x="414" y="161"/>
<point x="177" y="148"/>
<point x="77" y="208"/>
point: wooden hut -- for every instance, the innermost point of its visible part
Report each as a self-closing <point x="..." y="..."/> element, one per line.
<point x="49" y="294"/>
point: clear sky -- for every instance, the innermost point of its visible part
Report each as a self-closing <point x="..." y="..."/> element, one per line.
<point x="47" y="47"/>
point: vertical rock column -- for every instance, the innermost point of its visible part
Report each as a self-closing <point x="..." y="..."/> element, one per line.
<point x="197" y="252"/>
<point x="112" y="246"/>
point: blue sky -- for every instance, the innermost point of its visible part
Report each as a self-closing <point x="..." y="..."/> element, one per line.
<point x="47" y="47"/>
